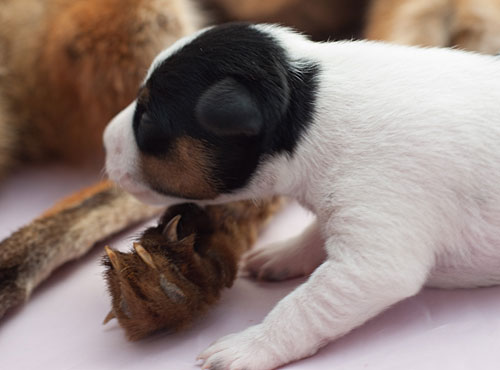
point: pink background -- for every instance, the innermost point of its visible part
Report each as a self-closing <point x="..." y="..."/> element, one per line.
<point x="60" y="327"/>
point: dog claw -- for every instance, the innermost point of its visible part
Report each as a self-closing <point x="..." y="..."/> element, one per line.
<point x="110" y="316"/>
<point x="145" y="256"/>
<point x="170" y="231"/>
<point x="112" y="257"/>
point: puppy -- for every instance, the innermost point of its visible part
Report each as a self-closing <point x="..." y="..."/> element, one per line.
<point x="394" y="148"/>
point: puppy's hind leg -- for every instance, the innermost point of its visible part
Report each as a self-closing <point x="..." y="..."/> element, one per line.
<point x="294" y="257"/>
<point x="356" y="283"/>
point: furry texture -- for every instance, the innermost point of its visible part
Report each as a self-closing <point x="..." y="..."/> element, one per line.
<point x="479" y="25"/>
<point x="101" y="55"/>
<point x="89" y="56"/>
<point x="62" y="234"/>
<point x="73" y="52"/>
<point x="400" y="164"/>
<point x="247" y="72"/>
<point x="472" y="25"/>
<point x="177" y="269"/>
<point x="66" y="66"/>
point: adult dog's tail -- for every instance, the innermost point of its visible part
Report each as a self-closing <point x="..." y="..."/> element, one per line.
<point x="63" y="233"/>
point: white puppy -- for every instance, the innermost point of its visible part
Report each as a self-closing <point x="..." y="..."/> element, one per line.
<point x="395" y="149"/>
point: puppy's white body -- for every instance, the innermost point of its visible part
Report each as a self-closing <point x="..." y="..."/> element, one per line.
<point x="405" y="142"/>
<point x="401" y="165"/>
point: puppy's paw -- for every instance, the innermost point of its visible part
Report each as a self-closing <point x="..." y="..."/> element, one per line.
<point x="247" y="350"/>
<point x="281" y="261"/>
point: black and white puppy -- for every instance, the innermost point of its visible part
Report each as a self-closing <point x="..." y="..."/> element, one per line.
<point x="395" y="149"/>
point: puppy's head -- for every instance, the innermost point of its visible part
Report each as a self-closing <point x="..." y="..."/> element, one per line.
<point x="212" y="109"/>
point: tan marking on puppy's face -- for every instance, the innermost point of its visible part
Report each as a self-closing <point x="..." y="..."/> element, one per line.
<point x="184" y="172"/>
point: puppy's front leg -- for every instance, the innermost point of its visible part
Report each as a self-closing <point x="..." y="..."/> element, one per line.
<point x="355" y="283"/>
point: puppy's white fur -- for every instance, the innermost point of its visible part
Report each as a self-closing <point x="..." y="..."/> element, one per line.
<point x="402" y="168"/>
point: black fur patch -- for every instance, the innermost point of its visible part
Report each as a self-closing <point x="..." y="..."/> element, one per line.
<point x="280" y="99"/>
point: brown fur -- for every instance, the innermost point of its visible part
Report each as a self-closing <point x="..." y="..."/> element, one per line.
<point x="322" y="19"/>
<point x="77" y="64"/>
<point x="66" y="66"/>
<point x="185" y="172"/>
<point x="76" y="198"/>
<point x="477" y="25"/>
<point x="6" y="144"/>
<point x="468" y="24"/>
<point x="66" y="232"/>
<point x="181" y="279"/>
<point x="414" y="22"/>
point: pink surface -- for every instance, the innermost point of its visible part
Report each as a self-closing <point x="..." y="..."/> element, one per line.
<point x="60" y="328"/>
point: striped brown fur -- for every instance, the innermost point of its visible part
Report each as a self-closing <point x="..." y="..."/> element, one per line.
<point x="62" y="234"/>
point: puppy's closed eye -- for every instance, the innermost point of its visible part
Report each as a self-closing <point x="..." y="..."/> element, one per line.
<point x="149" y="133"/>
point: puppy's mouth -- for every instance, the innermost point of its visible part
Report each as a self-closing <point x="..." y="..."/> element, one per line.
<point x="148" y="197"/>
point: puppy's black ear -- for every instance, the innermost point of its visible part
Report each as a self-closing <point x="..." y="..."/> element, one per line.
<point x="228" y="108"/>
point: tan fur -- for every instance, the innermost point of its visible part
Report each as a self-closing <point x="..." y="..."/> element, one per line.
<point x="468" y="24"/>
<point x="185" y="171"/>
<point x="413" y="22"/>
<point x="476" y="25"/>
<point x="167" y="284"/>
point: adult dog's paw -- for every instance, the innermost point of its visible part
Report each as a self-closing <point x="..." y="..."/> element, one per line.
<point x="247" y="350"/>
